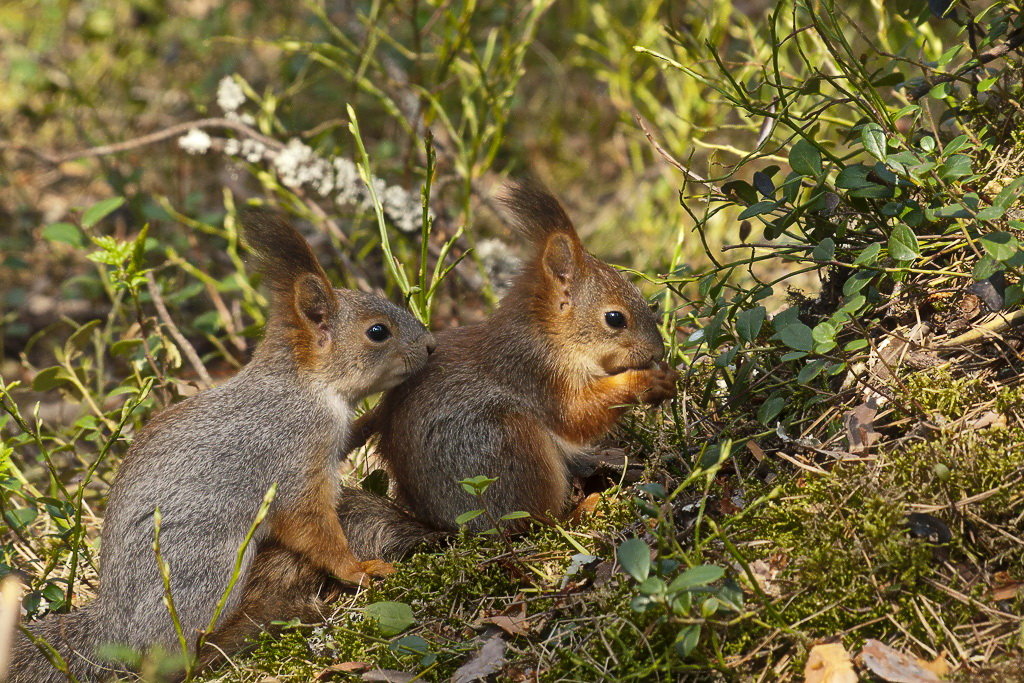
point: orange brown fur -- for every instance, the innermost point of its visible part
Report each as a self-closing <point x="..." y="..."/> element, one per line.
<point x="524" y="393"/>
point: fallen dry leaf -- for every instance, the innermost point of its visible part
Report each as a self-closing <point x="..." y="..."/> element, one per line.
<point x="514" y="626"/>
<point x="512" y="620"/>
<point x="860" y="427"/>
<point x="894" y="666"/>
<point x="487" y="660"/>
<point x="756" y="450"/>
<point x="938" y="666"/>
<point x="829" y="663"/>
<point x="388" y="676"/>
<point x="989" y="418"/>
<point x="343" y="667"/>
<point x="765" y="575"/>
<point x="1004" y="587"/>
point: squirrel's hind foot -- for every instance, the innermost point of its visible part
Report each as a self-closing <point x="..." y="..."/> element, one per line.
<point x="362" y="573"/>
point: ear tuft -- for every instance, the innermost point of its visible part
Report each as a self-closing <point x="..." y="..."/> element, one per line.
<point x="289" y="268"/>
<point x="535" y="212"/>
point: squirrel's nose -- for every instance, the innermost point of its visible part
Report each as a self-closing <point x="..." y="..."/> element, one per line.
<point x="429" y="342"/>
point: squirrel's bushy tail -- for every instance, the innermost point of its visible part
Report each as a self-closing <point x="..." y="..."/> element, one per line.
<point x="378" y="528"/>
<point x="73" y="636"/>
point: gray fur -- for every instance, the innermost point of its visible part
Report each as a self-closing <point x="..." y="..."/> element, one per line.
<point x="208" y="462"/>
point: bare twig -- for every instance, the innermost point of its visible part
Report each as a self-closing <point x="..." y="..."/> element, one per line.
<point x="1015" y="40"/>
<point x="664" y="154"/>
<point x="143" y="141"/>
<point x="987" y="330"/>
<point x="179" y="338"/>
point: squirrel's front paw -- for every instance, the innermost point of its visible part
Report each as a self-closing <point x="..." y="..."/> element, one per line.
<point x="661" y="384"/>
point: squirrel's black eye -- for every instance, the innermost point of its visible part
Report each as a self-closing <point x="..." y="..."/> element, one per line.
<point x="615" y="319"/>
<point x="378" y="332"/>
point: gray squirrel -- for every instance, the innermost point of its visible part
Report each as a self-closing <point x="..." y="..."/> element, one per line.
<point x="208" y="461"/>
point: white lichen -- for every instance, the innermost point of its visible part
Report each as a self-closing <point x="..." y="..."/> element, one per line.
<point x="500" y="264"/>
<point x="230" y="95"/>
<point x="195" y="141"/>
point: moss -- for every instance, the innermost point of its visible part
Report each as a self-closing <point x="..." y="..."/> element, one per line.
<point x="937" y="391"/>
<point x="841" y="541"/>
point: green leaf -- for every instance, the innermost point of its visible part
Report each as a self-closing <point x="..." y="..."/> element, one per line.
<point x="749" y="322"/>
<point x="124" y="347"/>
<point x="477" y="485"/>
<point x="770" y="409"/>
<point x="709" y="607"/>
<point x="82" y="335"/>
<point x="694" y="577"/>
<point x="955" y="144"/>
<point x="1009" y="194"/>
<point x="825" y="250"/>
<point x="986" y="83"/>
<point x="868" y="255"/>
<point x="635" y="557"/>
<point x="757" y="209"/>
<point x="903" y="244"/>
<point x="797" y="336"/>
<point x="410" y="644"/>
<point x="741" y="190"/>
<point x="687" y="640"/>
<point x="50" y="378"/>
<point x="19" y="518"/>
<point x="985" y="268"/>
<point x="1013" y="296"/>
<point x="1002" y="246"/>
<point x="856" y="345"/>
<point x="100" y="210"/>
<point x="956" y="166"/>
<point x="872" y="136"/>
<point x="652" y="585"/>
<point x="64" y="232"/>
<point x="805" y="159"/>
<point x="468" y="516"/>
<point x="990" y="213"/>
<point x="824" y="333"/>
<point x="763" y="183"/>
<point x="392" y="617"/>
<point x="811" y="370"/>
<point x="948" y="55"/>
<point x="517" y="514"/>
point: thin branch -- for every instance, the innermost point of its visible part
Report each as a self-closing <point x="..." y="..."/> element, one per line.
<point x="143" y="141"/>
<point x="179" y="338"/>
<point x="671" y="159"/>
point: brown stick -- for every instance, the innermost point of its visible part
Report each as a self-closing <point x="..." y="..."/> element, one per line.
<point x="664" y="154"/>
<point x="151" y="138"/>
<point x="985" y="330"/>
<point x="179" y="338"/>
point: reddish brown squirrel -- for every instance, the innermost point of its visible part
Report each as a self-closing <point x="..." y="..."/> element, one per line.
<point x="207" y="463"/>
<point x="525" y="393"/>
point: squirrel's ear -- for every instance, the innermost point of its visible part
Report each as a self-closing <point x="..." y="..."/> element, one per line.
<point x="315" y="303"/>
<point x="559" y="257"/>
<point x="289" y="267"/>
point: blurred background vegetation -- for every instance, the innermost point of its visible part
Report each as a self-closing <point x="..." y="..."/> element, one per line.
<point x="733" y="156"/>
